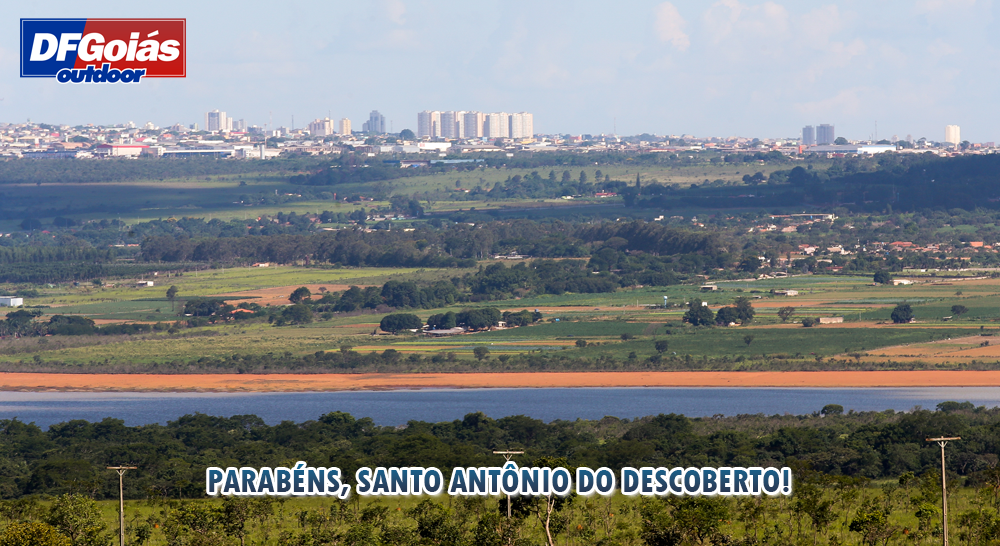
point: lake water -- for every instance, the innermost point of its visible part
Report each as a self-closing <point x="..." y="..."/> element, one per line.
<point x="434" y="405"/>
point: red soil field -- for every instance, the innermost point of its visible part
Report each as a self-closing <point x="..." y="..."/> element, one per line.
<point x="338" y="382"/>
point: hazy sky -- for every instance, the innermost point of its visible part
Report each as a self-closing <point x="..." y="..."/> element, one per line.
<point x="705" y="68"/>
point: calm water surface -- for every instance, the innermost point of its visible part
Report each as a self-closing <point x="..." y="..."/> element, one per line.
<point x="398" y="407"/>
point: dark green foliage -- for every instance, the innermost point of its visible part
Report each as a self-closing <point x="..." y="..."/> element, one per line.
<point x="883" y="277"/>
<point x="749" y="264"/>
<point x="409" y="294"/>
<point x="832" y="409"/>
<point x="442" y="321"/>
<point x="902" y="313"/>
<point x="521" y="318"/>
<point x="398" y="294"/>
<point x="60" y="325"/>
<point x="860" y="444"/>
<point x="299" y="294"/>
<point x="28" y="171"/>
<point x="498" y="280"/>
<point x="299" y="313"/>
<point x="652" y="237"/>
<point x="355" y="298"/>
<point x="744" y="309"/>
<point x="206" y="307"/>
<point x="727" y="315"/>
<point x="399" y="322"/>
<point x="53" y="272"/>
<point x="698" y="314"/>
<point x="951" y="406"/>
<point x="479" y="319"/>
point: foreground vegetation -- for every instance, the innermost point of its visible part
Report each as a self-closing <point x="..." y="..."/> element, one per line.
<point x="861" y="478"/>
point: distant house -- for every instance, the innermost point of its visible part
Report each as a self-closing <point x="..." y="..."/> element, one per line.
<point x="709" y="288"/>
<point x="786" y="293"/>
<point x="144" y="284"/>
<point x="897" y="282"/>
<point x="6" y="301"/>
<point x="262" y="264"/>
<point x="831" y="320"/>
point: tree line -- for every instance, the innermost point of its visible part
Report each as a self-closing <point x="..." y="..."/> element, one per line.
<point x="69" y="457"/>
<point x="42" y="171"/>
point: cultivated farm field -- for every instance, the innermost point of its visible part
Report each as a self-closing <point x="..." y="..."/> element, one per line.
<point x="621" y="327"/>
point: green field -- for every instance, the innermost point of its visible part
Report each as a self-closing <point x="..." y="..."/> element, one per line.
<point x="600" y="319"/>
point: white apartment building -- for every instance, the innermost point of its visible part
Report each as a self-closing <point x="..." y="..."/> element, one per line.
<point x="216" y="121"/>
<point x="345" y="126"/>
<point x="521" y="125"/>
<point x="429" y="124"/>
<point x="953" y="134"/>
<point x="497" y="125"/>
<point x="452" y="124"/>
<point x="473" y="124"/>
<point x="322" y="127"/>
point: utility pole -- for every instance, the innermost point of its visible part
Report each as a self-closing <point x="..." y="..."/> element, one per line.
<point x="507" y="455"/>
<point x="944" y="493"/>
<point x="121" y="497"/>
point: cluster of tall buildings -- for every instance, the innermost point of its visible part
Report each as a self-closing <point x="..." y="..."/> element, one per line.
<point x="220" y="122"/>
<point x="812" y="136"/>
<point x="462" y="124"/>
<point x="824" y="134"/>
<point x="327" y="127"/>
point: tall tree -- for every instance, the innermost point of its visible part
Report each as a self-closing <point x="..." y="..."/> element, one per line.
<point x="698" y="314"/>
<point x="172" y="295"/>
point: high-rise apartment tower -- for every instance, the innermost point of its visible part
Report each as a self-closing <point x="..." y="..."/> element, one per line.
<point x="953" y="135"/>
<point x="825" y="134"/>
<point x="808" y="135"/>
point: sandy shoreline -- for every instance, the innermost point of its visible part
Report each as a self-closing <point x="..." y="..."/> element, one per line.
<point x="39" y="382"/>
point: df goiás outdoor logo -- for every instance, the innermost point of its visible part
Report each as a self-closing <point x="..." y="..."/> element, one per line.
<point x="108" y="51"/>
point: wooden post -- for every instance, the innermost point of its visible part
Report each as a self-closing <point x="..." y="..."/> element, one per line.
<point x="121" y="497"/>
<point x="944" y="491"/>
<point x="507" y="455"/>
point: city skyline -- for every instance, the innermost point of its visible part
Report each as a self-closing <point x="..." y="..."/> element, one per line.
<point x="721" y="68"/>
